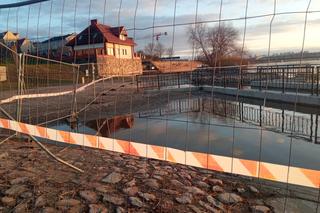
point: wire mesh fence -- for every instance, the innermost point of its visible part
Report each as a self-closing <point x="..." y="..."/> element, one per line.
<point x="71" y="74"/>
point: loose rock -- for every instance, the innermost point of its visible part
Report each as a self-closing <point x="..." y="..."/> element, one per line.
<point x="241" y="190"/>
<point x="4" y="155"/>
<point x="89" y="196"/>
<point x="195" y="209"/>
<point x="170" y="192"/>
<point x="260" y="209"/>
<point x="49" y="210"/>
<point x="147" y="196"/>
<point x="217" y="189"/>
<point x="153" y="183"/>
<point x="254" y="189"/>
<point x="21" y="208"/>
<point x="203" y="184"/>
<point x="116" y="200"/>
<point x="40" y="202"/>
<point x="229" y="198"/>
<point x="136" y="202"/>
<point x="112" y="178"/>
<point x="95" y="208"/>
<point x="120" y="210"/>
<point x="177" y="183"/>
<point x="20" y="180"/>
<point x="194" y="190"/>
<point x="131" y="191"/>
<point x="131" y="183"/>
<point x="26" y="195"/>
<point x="215" y="202"/>
<point x="215" y="182"/>
<point x="160" y="173"/>
<point x="208" y="207"/>
<point x="157" y="177"/>
<point x="186" y="198"/>
<point x="16" y="190"/>
<point x="142" y="171"/>
<point x="8" y="201"/>
<point x="68" y="203"/>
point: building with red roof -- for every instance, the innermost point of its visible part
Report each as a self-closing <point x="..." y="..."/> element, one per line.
<point x="99" y="39"/>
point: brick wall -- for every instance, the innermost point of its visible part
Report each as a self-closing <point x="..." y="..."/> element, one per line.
<point x="109" y="65"/>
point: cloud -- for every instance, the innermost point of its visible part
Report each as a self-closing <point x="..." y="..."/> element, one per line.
<point x="58" y="17"/>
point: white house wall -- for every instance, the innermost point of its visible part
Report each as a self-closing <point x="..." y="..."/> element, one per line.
<point x="118" y="50"/>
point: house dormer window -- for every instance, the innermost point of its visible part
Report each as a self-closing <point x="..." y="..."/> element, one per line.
<point x="123" y="37"/>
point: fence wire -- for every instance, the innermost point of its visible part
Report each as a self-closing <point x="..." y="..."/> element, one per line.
<point x="254" y="111"/>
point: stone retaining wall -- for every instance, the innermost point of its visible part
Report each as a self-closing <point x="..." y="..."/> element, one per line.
<point x="108" y="66"/>
<point x="3" y="73"/>
<point x="176" y="66"/>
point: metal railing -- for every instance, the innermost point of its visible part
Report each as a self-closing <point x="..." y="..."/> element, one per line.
<point x="284" y="78"/>
<point x="277" y="120"/>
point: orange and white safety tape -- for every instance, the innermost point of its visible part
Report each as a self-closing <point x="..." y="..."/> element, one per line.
<point x="264" y="170"/>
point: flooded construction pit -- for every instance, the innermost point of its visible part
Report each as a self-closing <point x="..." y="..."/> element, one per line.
<point x="220" y="126"/>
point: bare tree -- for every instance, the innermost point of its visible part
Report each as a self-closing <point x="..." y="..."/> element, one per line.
<point x="159" y="50"/>
<point x="214" y="44"/>
<point x="154" y="50"/>
<point x="170" y="52"/>
<point x="149" y="50"/>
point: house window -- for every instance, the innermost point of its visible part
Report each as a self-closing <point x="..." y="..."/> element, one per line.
<point x="123" y="37"/>
<point x="110" y="51"/>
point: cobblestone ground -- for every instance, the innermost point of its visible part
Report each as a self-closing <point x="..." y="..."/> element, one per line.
<point x="30" y="181"/>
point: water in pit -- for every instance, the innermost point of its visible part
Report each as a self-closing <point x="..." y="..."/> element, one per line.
<point x="221" y="127"/>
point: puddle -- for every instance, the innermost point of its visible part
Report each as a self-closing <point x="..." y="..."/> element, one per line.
<point x="220" y="127"/>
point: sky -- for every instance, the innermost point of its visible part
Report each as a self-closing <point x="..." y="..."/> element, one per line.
<point x="284" y="31"/>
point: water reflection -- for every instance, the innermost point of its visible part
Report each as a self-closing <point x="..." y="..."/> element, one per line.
<point x="220" y="127"/>
<point x="107" y="127"/>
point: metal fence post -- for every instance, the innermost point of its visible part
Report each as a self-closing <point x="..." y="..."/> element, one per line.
<point x="318" y="70"/>
<point x="316" y="129"/>
<point x="260" y="78"/>
<point x="158" y="78"/>
<point x="312" y="80"/>
<point x="260" y="115"/>
<point x="224" y="78"/>
<point x="240" y="77"/>
<point x="75" y="86"/>
<point x="137" y="79"/>
<point x="93" y="80"/>
<point x="282" y="122"/>
<point x="198" y="78"/>
<point x="283" y="86"/>
<point x="20" y="88"/>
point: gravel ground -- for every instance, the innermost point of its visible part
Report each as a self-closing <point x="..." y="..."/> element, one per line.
<point x="30" y="181"/>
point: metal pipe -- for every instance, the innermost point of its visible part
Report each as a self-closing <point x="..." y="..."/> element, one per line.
<point x="43" y="147"/>
<point x="20" y="4"/>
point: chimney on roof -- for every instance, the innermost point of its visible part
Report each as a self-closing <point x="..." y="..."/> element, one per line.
<point x="94" y="21"/>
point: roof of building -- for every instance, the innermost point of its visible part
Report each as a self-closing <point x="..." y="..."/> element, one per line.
<point x="100" y="33"/>
<point x="3" y="34"/>
<point x="20" y="41"/>
<point x="58" y="38"/>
